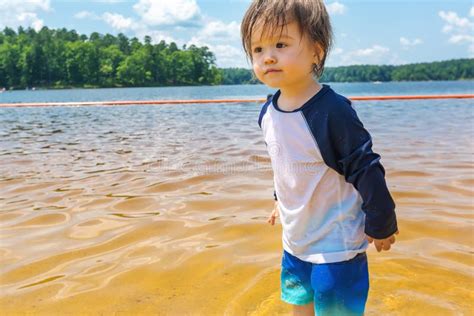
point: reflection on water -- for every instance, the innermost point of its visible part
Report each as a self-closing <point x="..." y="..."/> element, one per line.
<point x="162" y="210"/>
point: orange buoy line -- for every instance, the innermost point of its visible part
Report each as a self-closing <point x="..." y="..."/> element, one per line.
<point x="412" y="97"/>
<point x="147" y="102"/>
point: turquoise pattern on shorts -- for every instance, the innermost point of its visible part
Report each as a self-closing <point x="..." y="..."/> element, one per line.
<point x="338" y="288"/>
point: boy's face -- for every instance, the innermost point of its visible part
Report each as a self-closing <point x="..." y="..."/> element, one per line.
<point x="283" y="60"/>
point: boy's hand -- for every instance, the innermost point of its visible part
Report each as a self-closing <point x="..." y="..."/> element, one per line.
<point x="382" y="244"/>
<point x="275" y="214"/>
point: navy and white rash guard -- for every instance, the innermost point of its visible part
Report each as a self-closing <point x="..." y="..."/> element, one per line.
<point x="330" y="185"/>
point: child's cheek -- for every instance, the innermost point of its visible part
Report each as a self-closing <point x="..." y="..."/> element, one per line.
<point x="258" y="71"/>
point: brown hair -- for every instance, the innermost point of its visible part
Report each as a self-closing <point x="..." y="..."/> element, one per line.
<point x="310" y="15"/>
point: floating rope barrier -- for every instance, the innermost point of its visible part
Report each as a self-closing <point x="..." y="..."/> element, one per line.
<point x="154" y="102"/>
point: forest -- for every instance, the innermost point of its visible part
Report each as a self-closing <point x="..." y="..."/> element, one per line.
<point x="63" y="58"/>
<point x="457" y="69"/>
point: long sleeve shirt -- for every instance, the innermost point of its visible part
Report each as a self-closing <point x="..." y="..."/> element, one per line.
<point x="329" y="183"/>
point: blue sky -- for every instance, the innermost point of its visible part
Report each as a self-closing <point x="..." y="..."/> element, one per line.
<point x="366" y="31"/>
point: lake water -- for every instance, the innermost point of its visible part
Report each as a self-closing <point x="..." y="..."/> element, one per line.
<point x="162" y="209"/>
<point x="231" y="92"/>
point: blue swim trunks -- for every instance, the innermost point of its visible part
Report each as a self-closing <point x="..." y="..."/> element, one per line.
<point x="338" y="288"/>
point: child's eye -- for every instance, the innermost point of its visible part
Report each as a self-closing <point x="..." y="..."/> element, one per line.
<point x="281" y="45"/>
<point x="257" y="50"/>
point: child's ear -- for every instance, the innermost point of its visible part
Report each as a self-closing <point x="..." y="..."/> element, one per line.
<point x="318" y="53"/>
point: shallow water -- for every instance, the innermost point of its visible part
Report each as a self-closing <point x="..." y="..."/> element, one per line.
<point x="162" y="210"/>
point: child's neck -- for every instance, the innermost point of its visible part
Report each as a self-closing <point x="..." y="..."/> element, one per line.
<point x="291" y="99"/>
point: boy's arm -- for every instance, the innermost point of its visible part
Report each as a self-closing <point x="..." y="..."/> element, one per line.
<point x="361" y="167"/>
<point x="346" y="147"/>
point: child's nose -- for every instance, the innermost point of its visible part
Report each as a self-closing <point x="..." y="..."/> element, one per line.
<point x="270" y="59"/>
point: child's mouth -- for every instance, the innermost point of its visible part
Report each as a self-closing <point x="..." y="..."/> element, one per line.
<point x="272" y="70"/>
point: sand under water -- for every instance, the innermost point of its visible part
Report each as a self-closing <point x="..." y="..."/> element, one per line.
<point x="162" y="210"/>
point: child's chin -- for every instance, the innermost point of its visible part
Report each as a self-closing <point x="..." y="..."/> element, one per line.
<point x="272" y="85"/>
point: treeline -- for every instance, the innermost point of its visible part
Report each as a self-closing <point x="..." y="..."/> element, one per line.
<point x="63" y="58"/>
<point x="458" y="69"/>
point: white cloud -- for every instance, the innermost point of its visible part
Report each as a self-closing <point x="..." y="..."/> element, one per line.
<point x="30" y="19"/>
<point x="220" y="30"/>
<point x="15" y="13"/>
<point x="168" y="12"/>
<point x="373" y="51"/>
<point x="461" y="29"/>
<point x="375" y="55"/>
<point x="454" y="22"/>
<point x="227" y="55"/>
<point x="461" y="38"/>
<point x="118" y="21"/>
<point x="406" y="43"/>
<point x="137" y="29"/>
<point x="336" y="8"/>
<point x="30" y="5"/>
<point x="223" y="39"/>
<point x="85" y="15"/>
<point x="175" y="19"/>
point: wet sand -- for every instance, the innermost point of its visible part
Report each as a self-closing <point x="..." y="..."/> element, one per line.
<point x="162" y="211"/>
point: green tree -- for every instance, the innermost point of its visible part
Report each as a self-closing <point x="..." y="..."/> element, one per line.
<point x="132" y="70"/>
<point x="110" y="59"/>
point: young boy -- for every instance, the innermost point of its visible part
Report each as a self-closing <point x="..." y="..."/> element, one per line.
<point x="329" y="185"/>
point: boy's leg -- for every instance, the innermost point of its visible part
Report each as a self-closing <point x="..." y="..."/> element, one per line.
<point x="296" y="284"/>
<point x="341" y="288"/>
